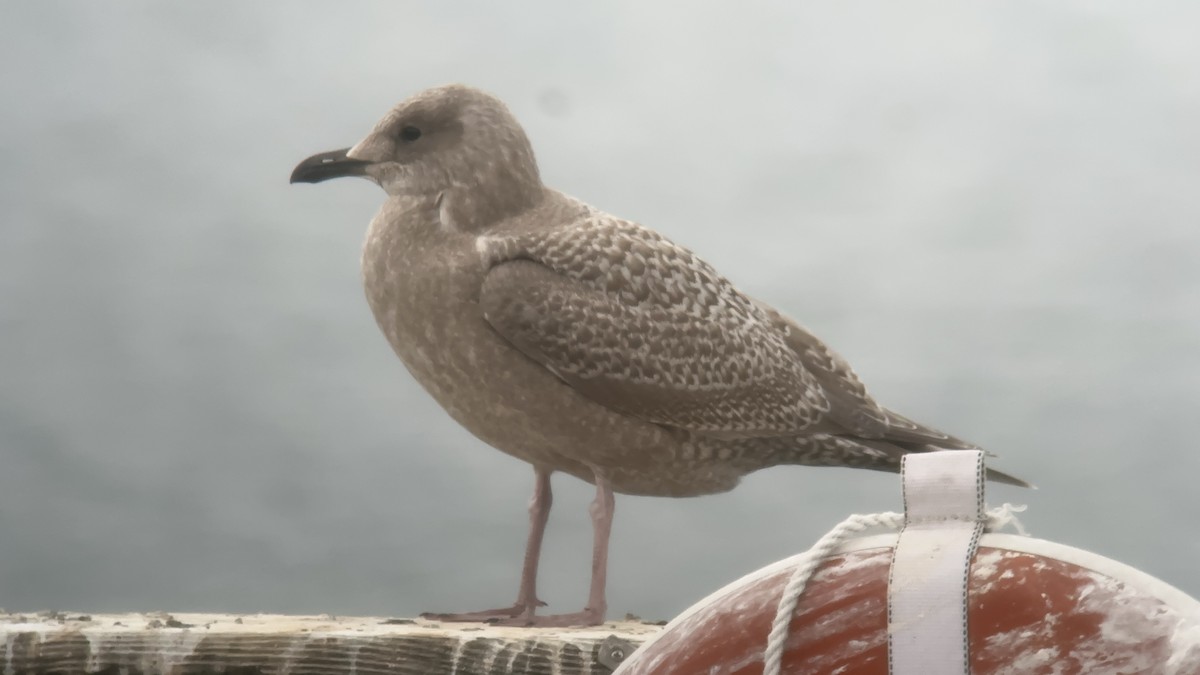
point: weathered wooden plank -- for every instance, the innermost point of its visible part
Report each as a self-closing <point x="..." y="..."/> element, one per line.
<point x="199" y="644"/>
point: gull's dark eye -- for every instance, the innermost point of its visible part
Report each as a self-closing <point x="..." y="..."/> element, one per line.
<point x="410" y="133"/>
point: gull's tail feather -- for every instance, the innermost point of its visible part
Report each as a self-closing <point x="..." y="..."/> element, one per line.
<point x="1001" y="477"/>
<point x="884" y="455"/>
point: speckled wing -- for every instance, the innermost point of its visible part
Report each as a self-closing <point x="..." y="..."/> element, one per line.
<point x="639" y="324"/>
<point x="850" y="405"/>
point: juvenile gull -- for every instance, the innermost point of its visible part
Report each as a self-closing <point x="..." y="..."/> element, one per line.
<point x="583" y="343"/>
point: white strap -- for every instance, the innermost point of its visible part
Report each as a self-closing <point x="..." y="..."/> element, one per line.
<point x="927" y="590"/>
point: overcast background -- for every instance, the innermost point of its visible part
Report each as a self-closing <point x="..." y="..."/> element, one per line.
<point x="992" y="210"/>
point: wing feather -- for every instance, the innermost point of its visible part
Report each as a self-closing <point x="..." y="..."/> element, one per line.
<point x="851" y="405"/>
<point x="641" y="325"/>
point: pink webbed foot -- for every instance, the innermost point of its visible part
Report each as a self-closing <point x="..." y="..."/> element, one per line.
<point x="588" y="617"/>
<point x="499" y="615"/>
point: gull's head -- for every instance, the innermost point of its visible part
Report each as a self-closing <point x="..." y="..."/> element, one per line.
<point x="447" y="142"/>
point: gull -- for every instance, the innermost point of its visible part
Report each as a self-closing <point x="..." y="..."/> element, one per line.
<point x="583" y="343"/>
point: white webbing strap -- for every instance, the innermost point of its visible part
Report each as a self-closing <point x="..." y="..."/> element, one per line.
<point x="927" y="588"/>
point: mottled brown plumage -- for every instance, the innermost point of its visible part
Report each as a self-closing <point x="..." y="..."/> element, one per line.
<point x="583" y="343"/>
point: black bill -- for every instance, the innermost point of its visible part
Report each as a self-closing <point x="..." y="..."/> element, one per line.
<point x="326" y="165"/>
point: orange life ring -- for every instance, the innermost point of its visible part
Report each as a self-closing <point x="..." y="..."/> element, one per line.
<point x="1034" y="606"/>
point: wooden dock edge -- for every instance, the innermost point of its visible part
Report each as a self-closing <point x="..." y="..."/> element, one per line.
<point x="66" y="643"/>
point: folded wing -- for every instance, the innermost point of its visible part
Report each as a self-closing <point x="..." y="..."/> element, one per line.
<point x="640" y="325"/>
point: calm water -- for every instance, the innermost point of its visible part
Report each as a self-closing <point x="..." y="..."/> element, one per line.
<point x="992" y="211"/>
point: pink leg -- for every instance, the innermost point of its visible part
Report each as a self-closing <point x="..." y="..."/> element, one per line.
<point x="593" y="614"/>
<point x="527" y="602"/>
<point x="539" y="513"/>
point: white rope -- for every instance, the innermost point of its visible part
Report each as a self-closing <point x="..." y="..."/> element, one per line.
<point x="997" y="518"/>
<point x="1004" y="515"/>
<point x="773" y="658"/>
